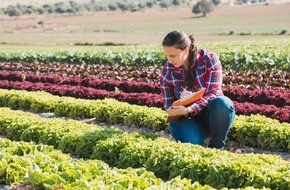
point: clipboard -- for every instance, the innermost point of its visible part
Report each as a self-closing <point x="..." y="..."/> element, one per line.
<point x="185" y="102"/>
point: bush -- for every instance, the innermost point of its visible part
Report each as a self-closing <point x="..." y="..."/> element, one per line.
<point x="113" y="6"/>
<point x="165" y="3"/>
<point x="13" y="11"/>
<point x="203" y="7"/>
<point x="216" y="2"/>
<point x="133" y="7"/>
<point x="283" y="32"/>
<point x="176" y="2"/>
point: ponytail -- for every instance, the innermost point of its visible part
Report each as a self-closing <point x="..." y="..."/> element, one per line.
<point x="190" y="73"/>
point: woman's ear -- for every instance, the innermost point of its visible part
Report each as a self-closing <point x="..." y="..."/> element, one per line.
<point x="186" y="50"/>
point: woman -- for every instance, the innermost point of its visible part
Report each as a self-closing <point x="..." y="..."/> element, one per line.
<point x="188" y="70"/>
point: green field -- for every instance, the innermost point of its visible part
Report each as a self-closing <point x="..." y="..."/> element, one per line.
<point x="246" y="23"/>
<point x="280" y="45"/>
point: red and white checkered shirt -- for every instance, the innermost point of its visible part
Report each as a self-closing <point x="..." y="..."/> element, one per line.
<point x="208" y="72"/>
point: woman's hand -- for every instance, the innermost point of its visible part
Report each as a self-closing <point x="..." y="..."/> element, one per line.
<point x="177" y="110"/>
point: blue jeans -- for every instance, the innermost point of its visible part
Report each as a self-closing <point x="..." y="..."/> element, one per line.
<point x="213" y="122"/>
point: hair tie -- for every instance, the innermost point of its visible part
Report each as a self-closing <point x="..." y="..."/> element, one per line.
<point x="191" y="46"/>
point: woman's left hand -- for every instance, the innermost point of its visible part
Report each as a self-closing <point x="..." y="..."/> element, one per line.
<point x="177" y="110"/>
<point x="184" y="94"/>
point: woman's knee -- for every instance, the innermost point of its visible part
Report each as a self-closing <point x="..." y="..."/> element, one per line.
<point x="221" y="104"/>
<point x="221" y="114"/>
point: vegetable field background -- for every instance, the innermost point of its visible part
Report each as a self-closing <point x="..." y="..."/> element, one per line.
<point x="80" y="104"/>
<point x="263" y="22"/>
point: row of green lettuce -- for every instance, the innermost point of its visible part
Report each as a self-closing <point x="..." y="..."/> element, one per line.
<point x="255" y="130"/>
<point x="248" y="57"/>
<point x="43" y="167"/>
<point x="166" y="159"/>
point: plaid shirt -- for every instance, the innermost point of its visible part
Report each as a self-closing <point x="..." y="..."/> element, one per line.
<point x="208" y="75"/>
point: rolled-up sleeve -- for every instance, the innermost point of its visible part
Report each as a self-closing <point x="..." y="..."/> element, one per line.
<point x="166" y="85"/>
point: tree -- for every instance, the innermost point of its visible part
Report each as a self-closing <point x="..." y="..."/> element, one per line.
<point x="216" y="2"/>
<point x="133" y="7"/>
<point x="203" y="6"/>
<point x="150" y="4"/>
<point x="141" y="5"/>
<point x="48" y="8"/>
<point x="12" y="11"/>
<point x="40" y="11"/>
<point x="122" y="6"/>
<point x="112" y="6"/>
<point x="165" y="3"/>
<point x="29" y="9"/>
<point x="73" y="4"/>
<point x="176" y="2"/>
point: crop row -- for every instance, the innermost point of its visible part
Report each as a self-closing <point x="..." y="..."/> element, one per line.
<point x="85" y="92"/>
<point x="118" y="72"/>
<point x="43" y="167"/>
<point x="255" y="61"/>
<point x="90" y="81"/>
<point x="167" y="159"/>
<point x="151" y="100"/>
<point x="275" y="96"/>
<point x="255" y="130"/>
<point x="248" y="78"/>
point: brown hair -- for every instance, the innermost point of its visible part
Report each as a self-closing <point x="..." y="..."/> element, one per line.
<point x="180" y="40"/>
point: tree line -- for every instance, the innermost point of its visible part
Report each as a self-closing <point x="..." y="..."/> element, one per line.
<point x="200" y="7"/>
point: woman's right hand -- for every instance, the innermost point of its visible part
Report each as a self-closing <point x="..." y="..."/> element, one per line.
<point x="177" y="110"/>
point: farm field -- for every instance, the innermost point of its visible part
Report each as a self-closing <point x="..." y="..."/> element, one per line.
<point x="262" y="123"/>
<point x="91" y="117"/>
<point x="146" y="28"/>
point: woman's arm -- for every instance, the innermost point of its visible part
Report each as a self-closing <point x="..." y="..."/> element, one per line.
<point x="167" y="89"/>
<point x="212" y="79"/>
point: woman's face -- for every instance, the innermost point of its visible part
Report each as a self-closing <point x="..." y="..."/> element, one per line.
<point x="176" y="57"/>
